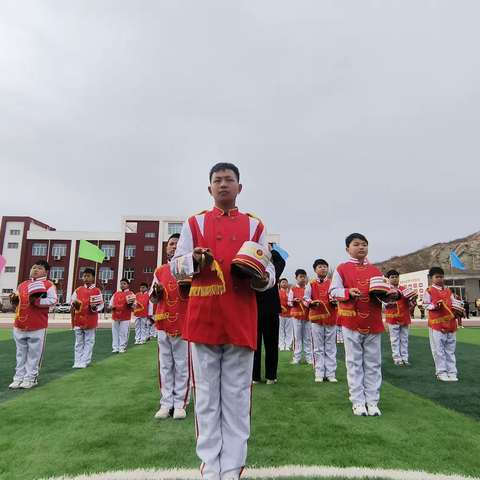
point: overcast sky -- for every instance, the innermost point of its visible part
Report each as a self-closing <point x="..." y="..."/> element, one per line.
<point x="342" y="116"/>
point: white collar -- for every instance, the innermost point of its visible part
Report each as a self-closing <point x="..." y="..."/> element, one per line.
<point x="38" y="279"/>
<point x="355" y="260"/>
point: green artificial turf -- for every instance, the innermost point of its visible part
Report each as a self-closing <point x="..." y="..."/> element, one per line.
<point x="101" y="418"/>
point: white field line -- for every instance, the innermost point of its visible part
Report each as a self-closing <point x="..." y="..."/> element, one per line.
<point x="277" y="472"/>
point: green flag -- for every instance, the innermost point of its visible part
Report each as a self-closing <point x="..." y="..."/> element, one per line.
<point x="89" y="251"/>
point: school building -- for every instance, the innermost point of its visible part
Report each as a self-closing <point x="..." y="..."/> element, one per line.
<point x="133" y="252"/>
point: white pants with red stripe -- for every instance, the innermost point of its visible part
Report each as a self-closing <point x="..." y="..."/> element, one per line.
<point x="222" y="382"/>
<point x="120" y="334"/>
<point x="30" y="346"/>
<point x="363" y="357"/>
<point x="324" y="342"/>
<point x="285" y="333"/>
<point x="443" y="351"/>
<point x="84" y="342"/>
<point x="302" y="330"/>
<point x="173" y="369"/>
<point x="399" y="341"/>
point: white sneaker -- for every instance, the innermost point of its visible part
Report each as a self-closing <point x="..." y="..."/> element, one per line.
<point x="319" y="379"/>
<point x="27" y="385"/>
<point x="359" y="410"/>
<point x="77" y="365"/>
<point x="121" y="351"/>
<point x="163" y="413"/>
<point x="271" y="382"/>
<point x="179" y="413"/>
<point x="294" y="362"/>
<point x="453" y="378"/>
<point x="443" y="378"/>
<point x="137" y="342"/>
<point x="310" y="362"/>
<point x="114" y="351"/>
<point x="405" y="362"/>
<point x="15" y="385"/>
<point x="397" y="362"/>
<point x="82" y="365"/>
<point x="332" y="379"/>
<point x="254" y="382"/>
<point x="373" y="410"/>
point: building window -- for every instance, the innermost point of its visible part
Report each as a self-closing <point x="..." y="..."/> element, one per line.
<point x="149" y="248"/>
<point x="39" y="250"/>
<point x="107" y="296"/>
<point x="14" y="232"/>
<point x="60" y="296"/>
<point x="7" y="290"/>
<point x="57" y="272"/>
<point x="59" y="249"/>
<point x="130" y="250"/>
<point x="12" y="245"/>
<point x="128" y="273"/>
<point x="108" y="250"/>
<point x="105" y="273"/>
<point x="174" y="228"/>
<point x="148" y="270"/>
<point x="131" y="227"/>
<point x="150" y="235"/>
<point x="10" y="269"/>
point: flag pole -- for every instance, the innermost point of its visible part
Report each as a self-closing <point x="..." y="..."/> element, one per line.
<point x="453" y="276"/>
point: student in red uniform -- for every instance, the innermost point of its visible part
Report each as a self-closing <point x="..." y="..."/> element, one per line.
<point x="437" y="301"/>
<point x="360" y="314"/>
<point x="143" y="311"/>
<point x="33" y="300"/>
<point x="122" y="303"/>
<point x="302" y="328"/>
<point x="397" y="315"/>
<point x="285" y="334"/>
<point x="221" y="323"/>
<point x="323" y="317"/>
<point x="85" y="319"/>
<point x="171" y="299"/>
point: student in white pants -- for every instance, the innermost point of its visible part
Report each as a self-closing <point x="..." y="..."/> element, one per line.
<point x="399" y="343"/>
<point x="143" y="310"/>
<point x="173" y="357"/>
<point x="227" y="433"/>
<point x="443" y="350"/>
<point x="285" y="328"/>
<point x="324" y="344"/>
<point x="122" y="303"/>
<point x="30" y="345"/>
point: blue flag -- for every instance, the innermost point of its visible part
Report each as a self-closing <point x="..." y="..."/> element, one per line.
<point x="282" y="252"/>
<point x="456" y="263"/>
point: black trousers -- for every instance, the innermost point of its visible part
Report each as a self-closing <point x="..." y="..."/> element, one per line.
<point x="268" y="331"/>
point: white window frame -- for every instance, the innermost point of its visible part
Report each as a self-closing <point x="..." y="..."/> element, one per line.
<point x="108" y="270"/>
<point x="107" y="296"/>
<point x="107" y="249"/>
<point x="148" y="269"/>
<point x="149" y="234"/>
<point x="54" y="273"/>
<point x="59" y="249"/>
<point x="129" y="273"/>
<point x="39" y="247"/>
<point x="10" y="269"/>
<point x="149" y="248"/>
<point x="7" y="290"/>
<point x="12" y="245"/>
<point x="129" y="249"/>
<point x="14" y="232"/>
<point x="174" y="227"/>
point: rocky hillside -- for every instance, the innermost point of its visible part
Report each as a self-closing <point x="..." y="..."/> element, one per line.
<point x="468" y="249"/>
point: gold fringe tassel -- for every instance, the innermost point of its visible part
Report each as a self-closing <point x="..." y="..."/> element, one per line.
<point x="161" y="316"/>
<point x="347" y="313"/>
<point x="210" y="290"/>
<point x="319" y="317"/>
<point x="445" y="319"/>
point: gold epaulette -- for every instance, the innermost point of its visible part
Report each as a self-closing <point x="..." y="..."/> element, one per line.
<point x="312" y="282"/>
<point x="52" y="284"/>
<point x="201" y="213"/>
<point x="253" y="216"/>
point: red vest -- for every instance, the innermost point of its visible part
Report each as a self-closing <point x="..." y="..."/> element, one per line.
<point x="122" y="311"/>
<point x="399" y="312"/>
<point x="141" y="309"/>
<point x="30" y="317"/>
<point x="283" y="301"/>
<point x="443" y="318"/>
<point x="213" y="317"/>
<point x="171" y="311"/>
<point x="299" y="310"/>
<point x="84" y="317"/>
<point x="325" y="313"/>
<point x="364" y="314"/>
